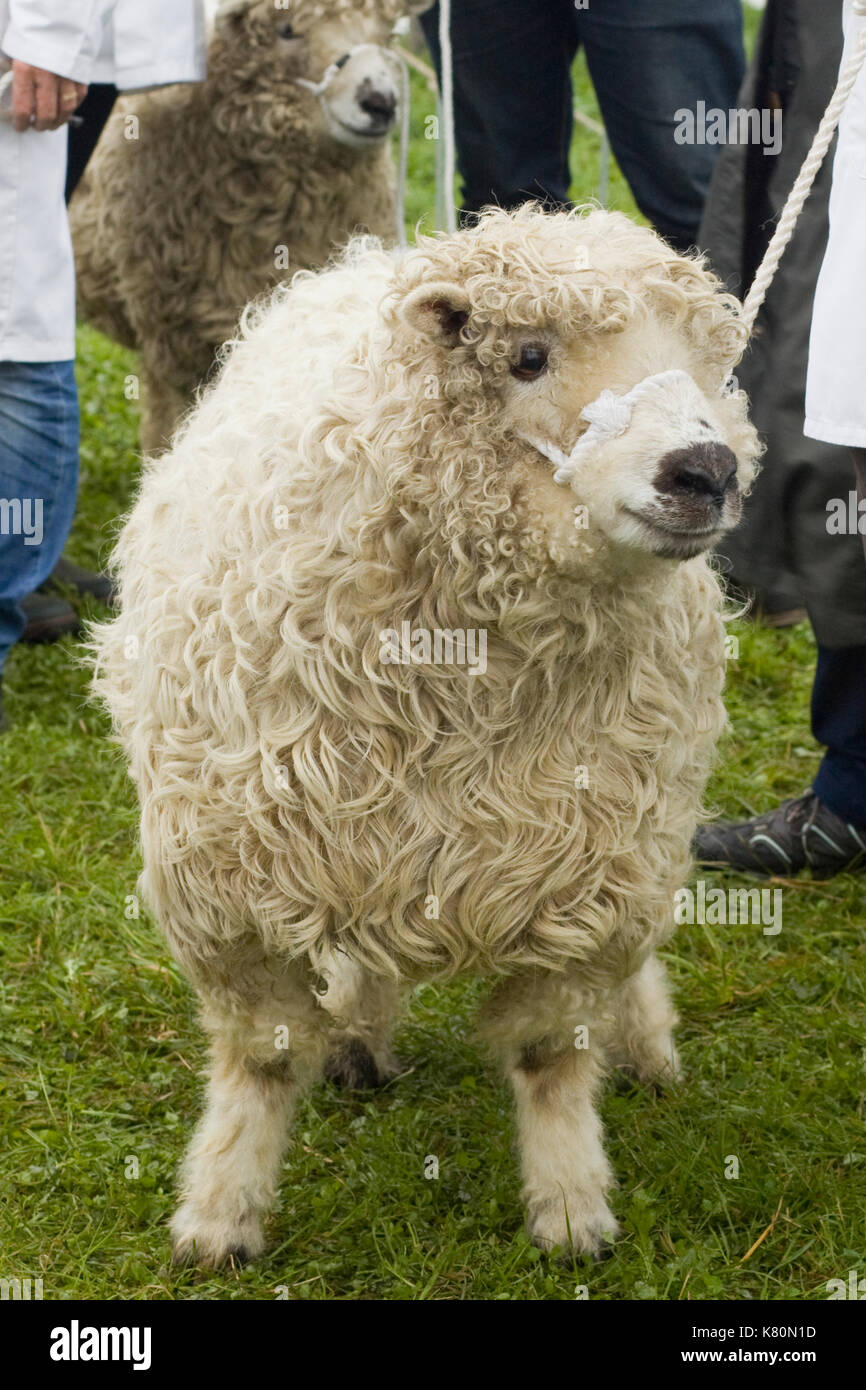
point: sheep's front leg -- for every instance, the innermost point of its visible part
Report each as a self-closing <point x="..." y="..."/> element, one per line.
<point x="162" y="409"/>
<point x="263" y="1059"/>
<point x="552" y="1047"/>
<point x="643" y="1030"/>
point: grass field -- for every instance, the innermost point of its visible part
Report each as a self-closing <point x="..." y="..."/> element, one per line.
<point x="102" y="1068"/>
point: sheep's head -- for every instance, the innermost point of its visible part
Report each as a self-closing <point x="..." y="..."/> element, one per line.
<point x="517" y="326"/>
<point x="334" y="55"/>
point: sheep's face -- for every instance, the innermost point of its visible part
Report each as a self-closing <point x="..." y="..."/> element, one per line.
<point x="577" y="307"/>
<point x="663" y="457"/>
<point x="309" y="42"/>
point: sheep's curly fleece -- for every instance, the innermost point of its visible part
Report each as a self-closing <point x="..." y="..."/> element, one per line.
<point x="297" y="791"/>
<point x="176" y="230"/>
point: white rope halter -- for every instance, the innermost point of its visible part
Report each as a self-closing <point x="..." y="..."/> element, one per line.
<point x="319" y="89"/>
<point x="806" y="177"/>
<point x="609" y="416"/>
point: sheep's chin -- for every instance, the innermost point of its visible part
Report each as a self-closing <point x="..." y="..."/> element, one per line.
<point x="631" y="542"/>
<point x="652" y="537"/>
<point x="344" y="132"/>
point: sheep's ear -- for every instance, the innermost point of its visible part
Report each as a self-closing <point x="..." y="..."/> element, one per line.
<point x="223" y="13"/>
<point x="438" y="312"/>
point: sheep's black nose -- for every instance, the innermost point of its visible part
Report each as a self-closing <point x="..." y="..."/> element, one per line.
<point x="702" y="471"/>
<point x="380" y="105"/>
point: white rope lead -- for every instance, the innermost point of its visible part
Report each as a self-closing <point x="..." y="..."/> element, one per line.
<point x="447" y="107"/>
<point x="403" y="165"/>
<point x="806" y="177"/>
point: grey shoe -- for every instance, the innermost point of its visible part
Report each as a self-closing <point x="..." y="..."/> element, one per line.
<point x="799" y="834"/>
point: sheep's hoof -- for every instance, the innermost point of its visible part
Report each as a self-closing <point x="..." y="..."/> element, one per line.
<point x="591" y="1233"/>
<point x="353" y="1067"/>
<point x="211" y="1244"/>
<point x="658" y="1073"/>
<point x="629" y="1080"/>
<point x="566" y="1255"/>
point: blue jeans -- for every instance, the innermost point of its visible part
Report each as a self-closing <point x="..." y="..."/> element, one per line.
<point x="38" y="479"/>
<point x="647" y="59"/>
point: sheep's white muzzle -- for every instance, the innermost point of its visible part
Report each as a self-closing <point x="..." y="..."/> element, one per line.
<point x="360" y="94"/>
<point x="676" y="491"/>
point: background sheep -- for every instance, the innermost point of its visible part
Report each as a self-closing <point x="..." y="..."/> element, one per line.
<point x="361" y="462"/>
<point x="179" y="220"/>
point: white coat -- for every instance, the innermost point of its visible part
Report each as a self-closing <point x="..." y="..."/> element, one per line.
<point x="836" y="380"/>
<point x="128" y="42"/>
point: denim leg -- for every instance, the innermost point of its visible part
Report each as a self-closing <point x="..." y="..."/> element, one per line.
<point x="839" y="722"/>
<point x="512" y="97"/>
<point x="647" y="59"/>
<point x="38" y="479"/>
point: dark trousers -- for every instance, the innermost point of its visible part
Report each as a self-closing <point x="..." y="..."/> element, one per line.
<point x="647" y="59"/>
<point x="93" y="112"/>
<point x="839" y="722"/>
<point x="839" y="714"/>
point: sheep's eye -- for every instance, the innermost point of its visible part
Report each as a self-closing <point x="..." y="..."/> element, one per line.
<point x="287" y="32"/>
<point x="531" y="363"/>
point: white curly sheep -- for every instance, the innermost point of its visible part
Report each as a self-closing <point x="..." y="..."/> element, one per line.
<point x="200" y="198"/>
<point x="353" y="497"/>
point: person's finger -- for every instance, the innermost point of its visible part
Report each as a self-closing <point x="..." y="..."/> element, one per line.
<point x="47" y="100"/>
<point x="69" y="99"/>
<point x="23" y="95"/>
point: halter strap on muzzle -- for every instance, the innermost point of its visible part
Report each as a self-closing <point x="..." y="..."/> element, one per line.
<point x="609" y="416"/>
<point x="318" y="89"/>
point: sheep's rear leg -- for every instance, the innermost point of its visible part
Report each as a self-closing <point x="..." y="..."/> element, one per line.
<point x="643" y="1041"/>
<point x="566" y="1174"/>
<point x="362" y="1007"/>
<point x="231" y="1169"/>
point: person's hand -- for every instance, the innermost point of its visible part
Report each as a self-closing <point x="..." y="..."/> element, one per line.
<point x="42" y="100"/>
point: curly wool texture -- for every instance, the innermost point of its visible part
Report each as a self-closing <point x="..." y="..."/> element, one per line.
<point x="178" y="221"/>
<point x="296" y="791"/>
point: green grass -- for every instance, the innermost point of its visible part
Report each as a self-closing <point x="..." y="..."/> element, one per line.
<point x="103" y="1056"/>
